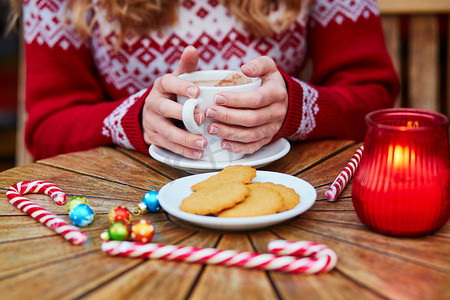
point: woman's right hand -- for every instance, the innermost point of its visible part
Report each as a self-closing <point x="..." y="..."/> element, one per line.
<point x="161" y="106"/>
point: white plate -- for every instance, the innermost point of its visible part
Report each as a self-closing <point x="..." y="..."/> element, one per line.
<point x="260" y="158"/>
<point x="172" y="194"/>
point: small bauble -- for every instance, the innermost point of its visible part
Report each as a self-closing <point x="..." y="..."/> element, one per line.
<point x="120" y="214"/>
<point x="118" y="231"/>
<point x="151" y="202"/>
<point x="81" y="215"/>
<point x="142" y="231"/>
<point x="74" y="201"/>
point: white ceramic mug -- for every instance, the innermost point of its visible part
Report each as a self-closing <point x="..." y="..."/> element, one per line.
<point x="213" y="152"/>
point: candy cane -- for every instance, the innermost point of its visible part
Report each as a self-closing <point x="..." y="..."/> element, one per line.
<point x="231" y="258"/>
<point x="341" y="181"/>
<point x="303" y="248"/>
<point x="15" y="196"/>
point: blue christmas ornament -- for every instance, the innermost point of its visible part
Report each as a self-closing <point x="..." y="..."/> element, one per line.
<point x="81" y="215"/>
<point x="151" y="202"/>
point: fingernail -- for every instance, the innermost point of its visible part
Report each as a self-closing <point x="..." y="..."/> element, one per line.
<point x="197" y="154"/>
<point x="211" y="113"/>
<point x="199" y="117"/>
<point x="200" y="144"/>
<point x="226" y="146"/>
<point x="214" y="130"/>
<point x="251" y="67"/>
<point x="191" y="91"/>
<point x="220" y="99"/>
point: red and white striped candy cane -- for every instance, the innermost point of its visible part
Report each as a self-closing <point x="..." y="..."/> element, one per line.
<point x="230" y="258"/>
<point x="15" y="196"/>
<point x="342" y="180"/>
<point x="303" y="248"/>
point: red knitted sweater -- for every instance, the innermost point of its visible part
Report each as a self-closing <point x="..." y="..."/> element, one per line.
<point x="82" y="94"/>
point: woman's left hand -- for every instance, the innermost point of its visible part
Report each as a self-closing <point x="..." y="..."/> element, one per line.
<point x="251" y="119"/>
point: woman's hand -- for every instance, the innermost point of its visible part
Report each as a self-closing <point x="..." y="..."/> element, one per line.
<point x="160" y="107"/>
<point x="252" y="118"/>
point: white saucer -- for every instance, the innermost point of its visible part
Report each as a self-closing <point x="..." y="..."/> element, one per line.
<point x="260" y="158"/>
<point x="172" y="194"/>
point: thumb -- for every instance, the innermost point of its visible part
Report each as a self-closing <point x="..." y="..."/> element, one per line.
<point x="262" y="66"/>
<point x="188" y="61"/>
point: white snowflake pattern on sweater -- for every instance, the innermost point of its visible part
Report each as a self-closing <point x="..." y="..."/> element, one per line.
<point x="222" y="44"/>
<point x="113" y="123"/>
<point x="325" y="11"/>
<point x="45" y="23"/>
<point x="310" y="108"/>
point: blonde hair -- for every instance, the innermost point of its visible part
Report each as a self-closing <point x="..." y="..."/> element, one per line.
<point x="254" y="14"/>
<point x="14" y="13"/>
<point x="140" y="16"/>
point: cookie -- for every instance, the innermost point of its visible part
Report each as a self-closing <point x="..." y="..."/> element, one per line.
<point x="237" y="173"/>
<point x="290" y="197"/>
<point x="215" y="198"/>
<point x="260" y="201"/>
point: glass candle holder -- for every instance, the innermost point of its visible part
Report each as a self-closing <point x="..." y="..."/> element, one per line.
<point x="402" y="185"/>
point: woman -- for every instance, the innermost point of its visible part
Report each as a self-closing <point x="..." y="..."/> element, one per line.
<point x="105" y="72"/>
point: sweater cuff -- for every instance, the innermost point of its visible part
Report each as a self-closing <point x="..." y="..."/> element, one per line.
<point x="294" y="110"/>
<point x="132" y="124"/>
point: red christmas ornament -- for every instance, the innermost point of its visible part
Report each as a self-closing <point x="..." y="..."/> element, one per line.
<point x="120" y="214"/>
<point x="142" y="231"/>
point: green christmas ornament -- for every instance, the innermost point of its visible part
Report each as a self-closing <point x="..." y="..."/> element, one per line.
<point x="118" y="231"/>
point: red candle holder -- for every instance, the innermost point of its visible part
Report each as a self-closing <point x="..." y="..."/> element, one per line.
<point x="402" y="185"/>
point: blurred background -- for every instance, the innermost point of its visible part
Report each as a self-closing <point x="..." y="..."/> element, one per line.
<point x="8" y="91"/>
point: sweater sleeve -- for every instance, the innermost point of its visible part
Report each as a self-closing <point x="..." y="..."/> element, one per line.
<point x="352" y="73"/>
<point x="68" y="110"/>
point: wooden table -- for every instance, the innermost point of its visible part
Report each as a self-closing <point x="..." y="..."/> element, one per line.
<point x="37" y="263"/>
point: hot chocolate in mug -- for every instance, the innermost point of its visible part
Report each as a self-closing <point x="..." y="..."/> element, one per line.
<point x="210" y="83"/>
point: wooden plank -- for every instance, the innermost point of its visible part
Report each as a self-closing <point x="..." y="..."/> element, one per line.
<point x="416" y="250"/>
<point x="37" y="253"/>
<point x="389" y="276"/>
<point x="301" y="286"/>
<point x="320" y="174"/>
<point x="28" y="238"/>
<point x="50" y="267"/>
<point x="167" y="233"/>
<point x="232" y="283"/>
<point x="66" y="279"/>
<point x="423" y="62"/>
<point x="309" y="153"/>
<point x="413" y="6"/>
<point x="342" y="217"/>
<point x="153" y="164"/>
<point x="154" y="280"/>
<point x="370" y="265"/>
<point x="102" y="194"/>
<point x="391" y="29"/>
<point x="120" y="167"/>
<point x="19" y="228"/>
<point x="342" y="204"/>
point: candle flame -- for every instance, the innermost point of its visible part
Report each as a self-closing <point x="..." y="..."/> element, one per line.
<point x="401" y="156"/>
<point x="412" y="124"/>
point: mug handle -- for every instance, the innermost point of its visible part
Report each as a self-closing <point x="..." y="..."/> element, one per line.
<point x="188" y="115"/>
